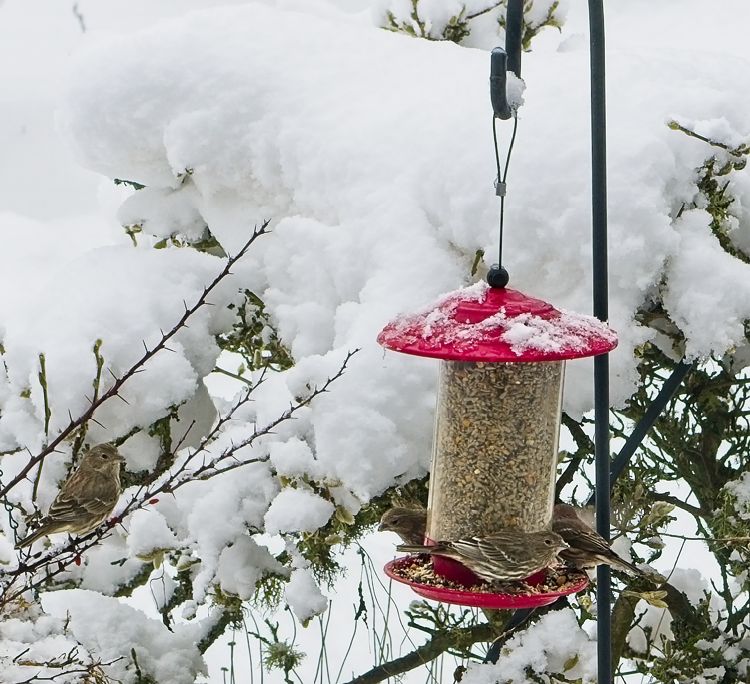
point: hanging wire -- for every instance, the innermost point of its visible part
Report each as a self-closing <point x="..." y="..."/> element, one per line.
<point x="501" y="180"/>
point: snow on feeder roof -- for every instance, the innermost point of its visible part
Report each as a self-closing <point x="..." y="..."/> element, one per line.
<point x="481" y="323"/>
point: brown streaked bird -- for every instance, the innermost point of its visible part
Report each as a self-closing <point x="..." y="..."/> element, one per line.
<point x="408" y="523"/>
<point x="510" y="554"/>
<point x="86" y="498"/>
<point x="587" y="547"/>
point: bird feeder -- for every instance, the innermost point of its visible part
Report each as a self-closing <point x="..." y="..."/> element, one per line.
<point x="495" y="447"/>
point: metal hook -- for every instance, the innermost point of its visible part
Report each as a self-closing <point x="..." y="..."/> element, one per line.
<point x="498" y="81"/>
<point x="508" y="59"/>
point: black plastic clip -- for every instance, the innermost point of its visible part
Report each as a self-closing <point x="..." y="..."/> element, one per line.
<point x="498" y="82"/>
<point x="508" y="59"/>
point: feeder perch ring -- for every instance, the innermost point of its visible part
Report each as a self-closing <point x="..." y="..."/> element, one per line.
<point x="479" y="599"/>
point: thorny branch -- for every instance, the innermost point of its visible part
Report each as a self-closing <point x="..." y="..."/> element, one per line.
<point x="59" y="559"/>
<point x="148" y="354"/>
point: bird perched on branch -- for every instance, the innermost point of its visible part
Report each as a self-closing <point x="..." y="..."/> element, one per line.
<point x="504" y="556"/>
<point x="587" y="547"/>
<point x="86" y="498"/>
<point x="408" y="523"/>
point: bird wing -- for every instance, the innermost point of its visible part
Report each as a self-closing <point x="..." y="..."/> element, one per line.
<point x="493" y="548"/>
<point x="84" y="492"/>
<point x="587" y="542"/>
<point x="581" y="536"/>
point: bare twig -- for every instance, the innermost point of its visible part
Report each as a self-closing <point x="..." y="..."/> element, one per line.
<point x="585" y="448"/>
<point x="697" y="511"/>
<point x="62" y="663"/>
<point x="436" y="646"/>
<point x="494" y="5"/>
<point x="79" y="17"/>
<point x="735" y="151"/>
<point x="235" y="376"/>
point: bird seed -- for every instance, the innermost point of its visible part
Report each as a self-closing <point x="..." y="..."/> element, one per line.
<point x="495" y="452"/>
<point x="419" y="570"/>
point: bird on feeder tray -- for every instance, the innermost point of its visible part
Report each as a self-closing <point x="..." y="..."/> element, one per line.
<point x="509" y="555"/>
<point x="408" y="523"/>
<point x="587" y="548"/>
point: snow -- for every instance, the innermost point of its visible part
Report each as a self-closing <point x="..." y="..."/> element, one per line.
<point x="83" y="289"/>
<point x="141" y="452"/>
<point x="293" y="458"/>
<point x="514" y="88"/>
<point x="241" y="566"/>
<point x="7" y="551"/>
<point x="148" y="533"/>
<point x="740" y="490"/>
<point x="297" y="510"/>
<point x="530" y="332"/>
<point x="108" y="567"/>
<point x="216" y="516"/>
<point x="691" y="583"/>
<point x="40" y="641"/>
<point x="539" y="11"/>
<point x="702" y="267"/>
<point x="290" y="167"/>
<point x="553" y="644"/>
<point x="434" y="15"/>
<point x="303" y="595"/>
<point x="111" y="629"/>
<point x="164" y="212"/>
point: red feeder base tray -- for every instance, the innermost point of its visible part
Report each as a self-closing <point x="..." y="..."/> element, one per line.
<point x="479" y="599"/>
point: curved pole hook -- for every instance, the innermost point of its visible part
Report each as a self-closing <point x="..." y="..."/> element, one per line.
<point x="508" y="59"/>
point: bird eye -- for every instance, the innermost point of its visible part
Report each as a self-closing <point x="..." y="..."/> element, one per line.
<point x="104" y="456"/>
<point x="548" y="542"/>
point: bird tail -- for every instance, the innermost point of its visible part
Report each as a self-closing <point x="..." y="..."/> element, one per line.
<point x="621" y="564"/>
<point x="28" y="540"/>
<point x="630" y="569"/>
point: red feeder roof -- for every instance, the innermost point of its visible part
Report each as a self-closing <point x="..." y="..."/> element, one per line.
<point x="480" y="323"/>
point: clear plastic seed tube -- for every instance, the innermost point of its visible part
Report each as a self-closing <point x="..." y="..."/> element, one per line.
<point x="496" y="446"/>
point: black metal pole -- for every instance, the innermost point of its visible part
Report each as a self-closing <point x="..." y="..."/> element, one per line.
<point x="514" y="35"/>
<point x="601" y="311"/>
